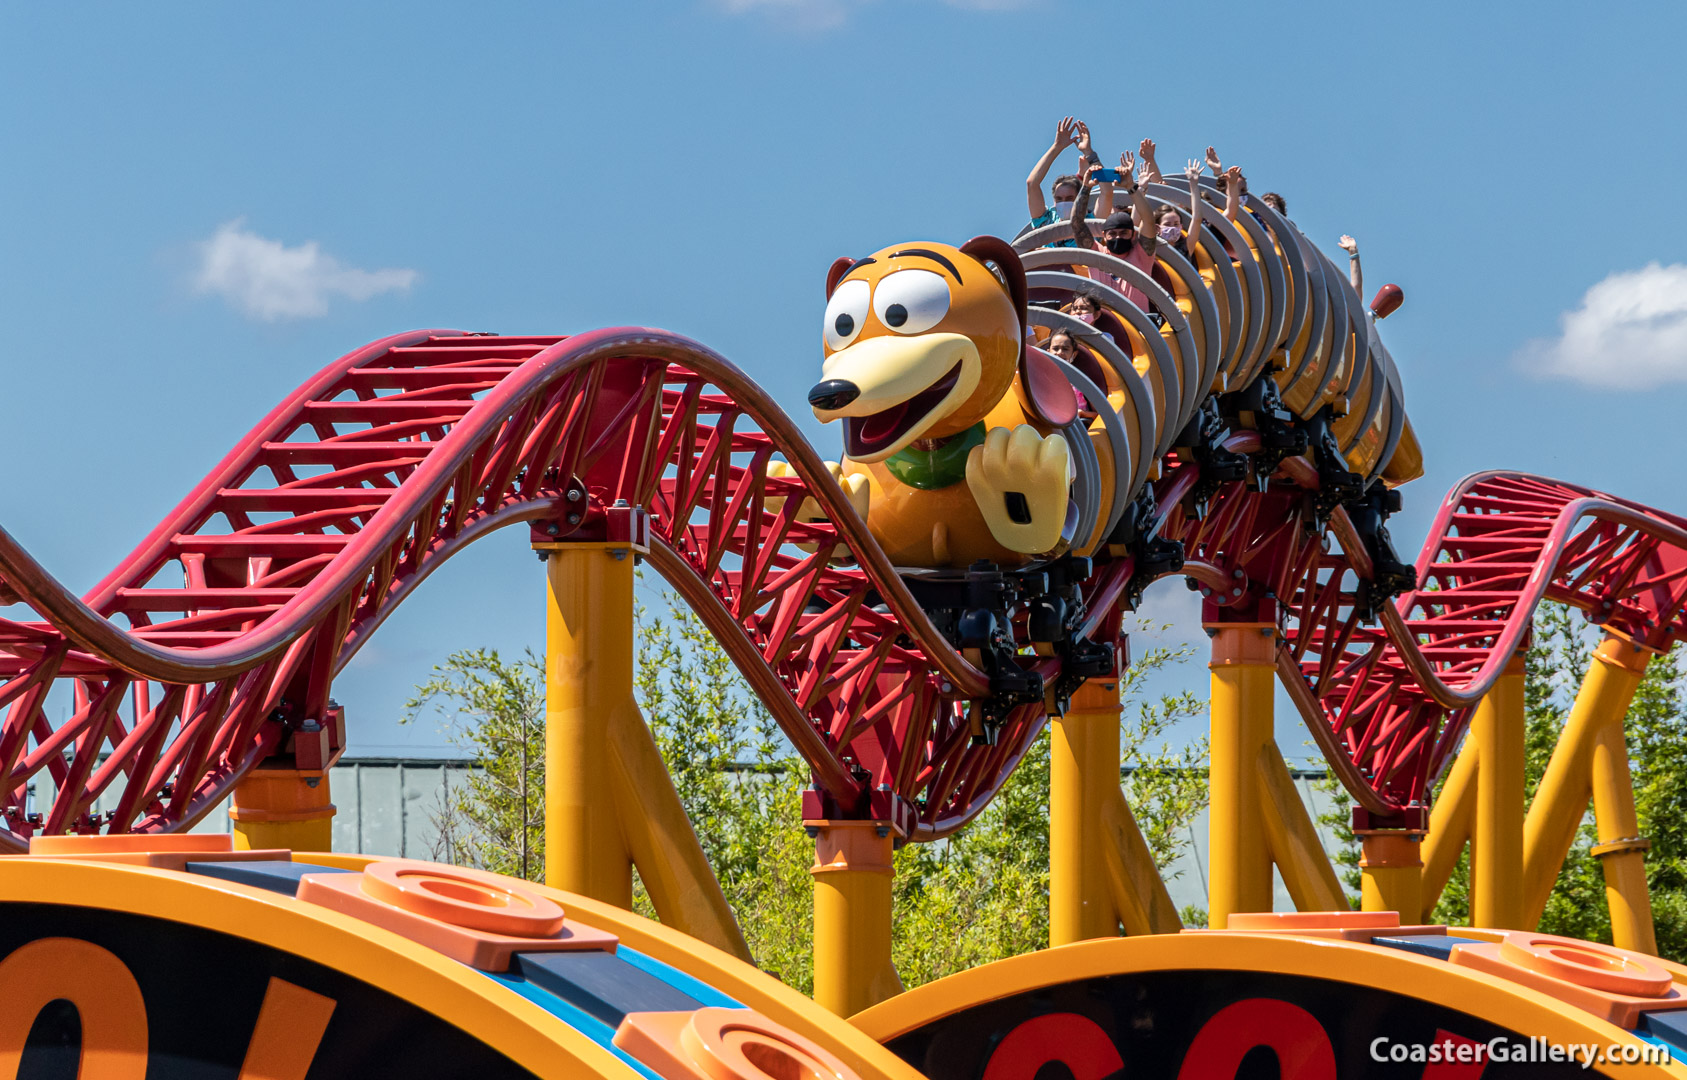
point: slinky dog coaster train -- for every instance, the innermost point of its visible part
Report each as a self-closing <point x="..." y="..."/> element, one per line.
<point x="912" y="615"/>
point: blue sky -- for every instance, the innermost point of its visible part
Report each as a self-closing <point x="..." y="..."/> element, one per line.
<point x="697" y="165"/>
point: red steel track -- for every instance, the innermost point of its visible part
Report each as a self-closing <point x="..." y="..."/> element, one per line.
<point x="215" y="643"/>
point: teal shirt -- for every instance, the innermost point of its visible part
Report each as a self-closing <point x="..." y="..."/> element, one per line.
<point x="1047" y="218"/>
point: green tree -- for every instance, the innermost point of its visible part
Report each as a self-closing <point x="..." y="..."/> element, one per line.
<point x="495" y="711"/>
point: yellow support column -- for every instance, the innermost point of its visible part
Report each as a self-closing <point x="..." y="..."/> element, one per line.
<point x="283" y="808"/>
<point x="1621" y="849"/>
<point x="852" y="879"/>
<point x="1293" y="839"/>
<point x="1139" y="894"/>
<point x="671" y="864"/>
<point x="588" y="679"/>
<point x="1450" y="821"/>
<point x="1391" y="866"/>
<point x="1238" y="856"/>
<point x="1083" y="776"/>
<point x="1562" y="796"/>
<point x="1496" y="843"/>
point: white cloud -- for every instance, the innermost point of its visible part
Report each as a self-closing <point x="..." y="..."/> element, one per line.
<point x="1630" y="333"/>
<point x="265" y="279"/>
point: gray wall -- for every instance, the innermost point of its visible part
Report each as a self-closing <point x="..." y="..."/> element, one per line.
<point x="384" y="806"/>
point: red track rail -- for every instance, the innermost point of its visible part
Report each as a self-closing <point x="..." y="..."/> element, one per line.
<point x="219" y="637"/>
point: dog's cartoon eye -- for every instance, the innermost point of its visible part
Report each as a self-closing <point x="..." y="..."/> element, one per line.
<point x="845" y="313"/>
<point x="911" y="301"/>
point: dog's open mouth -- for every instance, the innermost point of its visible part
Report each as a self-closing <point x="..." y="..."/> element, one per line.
<point x="865" y="435"/>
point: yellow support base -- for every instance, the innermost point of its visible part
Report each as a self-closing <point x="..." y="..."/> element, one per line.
<point x="852" y="897"/>
<point x="1238" y="858"/>
<point x="1392" y="874"/>
<point x="1083" y="773"/>
<point x="1101" y="874"/>
<point x="283" y="808"/>
<point x="588" y="679"/>
<point x="1496" y="846"/>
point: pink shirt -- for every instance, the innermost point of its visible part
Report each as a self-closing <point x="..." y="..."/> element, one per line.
<point x="1140" y="256"/>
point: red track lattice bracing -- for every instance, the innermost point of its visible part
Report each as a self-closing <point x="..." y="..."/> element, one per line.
<point x="214" y="645"/>
<point x="1389" y="698"/>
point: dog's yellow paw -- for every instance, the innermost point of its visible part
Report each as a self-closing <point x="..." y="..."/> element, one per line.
<point x="854" y="488"/>
<point x="1019" y="479"/>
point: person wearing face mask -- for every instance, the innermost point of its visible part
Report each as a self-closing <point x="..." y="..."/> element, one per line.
<point x="1170" y="229"/>
<point x="1069" y="132"/>
<point x="1121" y="235"/>
<point x="1083" y="307"/>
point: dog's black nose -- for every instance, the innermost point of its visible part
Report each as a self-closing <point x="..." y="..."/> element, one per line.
<point x="833" y="394"/>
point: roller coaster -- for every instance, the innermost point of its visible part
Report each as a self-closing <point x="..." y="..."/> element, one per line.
<point x="1245" y="430"/>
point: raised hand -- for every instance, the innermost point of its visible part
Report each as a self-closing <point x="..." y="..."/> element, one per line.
<point x="1348" y="244"/>
<point x="1192" y="171"/>
<point x="1146" y="149"/>
<point x="1127" y="164"/>
<point x="1213" y="163"/>
<point x="1232" y="175"/>
<point x="1083" y="139"/>
<point x="1064" y="132"/>
<point x="1145" y="172"/>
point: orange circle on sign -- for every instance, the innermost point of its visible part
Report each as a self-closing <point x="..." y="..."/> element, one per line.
<point x="738" y="1044"/>
<point x="491" y="905"/>
<point x="1597" y="967"/>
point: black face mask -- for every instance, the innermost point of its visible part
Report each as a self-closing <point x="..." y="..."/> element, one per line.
<point x="1118" y="246"/>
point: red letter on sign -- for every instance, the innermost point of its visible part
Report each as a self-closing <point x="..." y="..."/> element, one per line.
<point x="1076" y="1041"/>
<point x="1295" y="1035"/>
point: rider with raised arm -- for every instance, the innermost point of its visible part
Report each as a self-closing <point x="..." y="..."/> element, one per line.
<point x="1069" y="132"/>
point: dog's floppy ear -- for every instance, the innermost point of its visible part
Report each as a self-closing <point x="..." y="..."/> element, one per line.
<point x="1047" y="393"/>
<point x="840" y="267"/>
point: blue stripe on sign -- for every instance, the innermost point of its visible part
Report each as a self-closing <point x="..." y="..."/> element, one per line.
<point x="583" y="1022"/>
<point x="676" y="978"/>
<point x="1655" y="1041"/>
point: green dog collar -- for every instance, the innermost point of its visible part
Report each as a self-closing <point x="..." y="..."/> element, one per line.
<point x="939" y="468"/>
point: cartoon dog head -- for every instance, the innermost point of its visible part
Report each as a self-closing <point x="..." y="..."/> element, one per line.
<point x="923" y="339"/>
